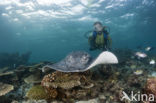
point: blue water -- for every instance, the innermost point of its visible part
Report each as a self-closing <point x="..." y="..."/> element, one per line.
<point x="50" y="29"/>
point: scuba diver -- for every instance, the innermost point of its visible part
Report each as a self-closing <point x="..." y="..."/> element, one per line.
<point x="99" y="38"/>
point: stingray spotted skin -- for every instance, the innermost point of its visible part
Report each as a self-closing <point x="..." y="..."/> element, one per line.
<point x="80" y="61"/>
<point x="74" y="62"/>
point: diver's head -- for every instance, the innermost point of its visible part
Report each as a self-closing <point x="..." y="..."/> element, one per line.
<point x="98" y="26"/>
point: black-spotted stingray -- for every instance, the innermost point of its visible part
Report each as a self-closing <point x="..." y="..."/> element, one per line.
<point x="80" y="61"/>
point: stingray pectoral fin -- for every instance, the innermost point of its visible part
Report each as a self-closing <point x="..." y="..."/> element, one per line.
<point x="104" y="58"/>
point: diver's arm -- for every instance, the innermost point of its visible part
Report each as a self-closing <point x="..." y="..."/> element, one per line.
<point x="109" y="42"/>
<point x="106" y="31"/>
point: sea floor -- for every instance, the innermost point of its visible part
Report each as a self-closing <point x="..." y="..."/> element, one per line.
<point x="103" y="84"/>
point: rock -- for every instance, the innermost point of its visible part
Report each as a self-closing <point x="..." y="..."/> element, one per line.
<point x="87" y="86"/>
<point x="32" y="79"/>
<point x="102" y="98"/>
<point x="5" y="72"/>
<point x="90" y="101"/>
<point x="81" y="94"/>
<point x="56" y="102"/>
<point x="5" y="88"/>
<point x="34" y="101"/>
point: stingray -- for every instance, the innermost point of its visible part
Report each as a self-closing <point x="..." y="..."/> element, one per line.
<point x="81" y="61"/>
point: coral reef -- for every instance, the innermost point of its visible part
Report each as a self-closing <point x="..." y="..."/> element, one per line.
<point x="5" y="71"/>
<point x="5" y="88"/>
<point x="102" y="84"/>
<point x="64" y="84"/>
<point x="64" y="80"/>
<point x="36" y="92"/>
<point x="7" y="74"/>
<point x="151" y="86"/>
<point x="60" y="80"/>
<point x="35" y="67"/>
<point x="33" y="78"/>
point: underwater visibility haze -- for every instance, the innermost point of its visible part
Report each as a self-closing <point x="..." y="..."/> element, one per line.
<point x="46" y="55"/>
<point x="50" y="29"/>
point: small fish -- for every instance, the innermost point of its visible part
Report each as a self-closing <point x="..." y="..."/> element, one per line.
<point x="138" y="72"/>
<point x="141" y="55"/>
<point x="152" y="62"/>
<point x="148" y="48"/>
